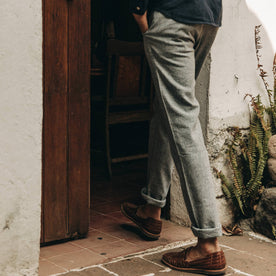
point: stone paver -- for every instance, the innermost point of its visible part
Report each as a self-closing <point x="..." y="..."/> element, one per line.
<point x="133" y="267"/>
<point x="95" y="271"/>
<point x="245" y="256"/>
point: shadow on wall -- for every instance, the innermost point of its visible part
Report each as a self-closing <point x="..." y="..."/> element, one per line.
<point x="265" y="11"/>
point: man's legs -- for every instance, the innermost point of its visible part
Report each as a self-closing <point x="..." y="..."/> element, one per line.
<point x="176" y="53"/>
<point x="160" y="161"/>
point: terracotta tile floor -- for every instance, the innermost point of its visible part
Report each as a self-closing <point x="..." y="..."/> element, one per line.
<point x="110" y="234"/>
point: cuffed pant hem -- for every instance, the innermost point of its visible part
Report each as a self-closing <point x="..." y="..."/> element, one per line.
<point x="151" y="200"/>
<point x="207" y="233"/>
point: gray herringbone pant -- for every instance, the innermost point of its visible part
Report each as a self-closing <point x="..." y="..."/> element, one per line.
<point x="176" y="52"/>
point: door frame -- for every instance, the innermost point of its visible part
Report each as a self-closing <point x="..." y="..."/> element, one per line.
<point x="66" y="119"/>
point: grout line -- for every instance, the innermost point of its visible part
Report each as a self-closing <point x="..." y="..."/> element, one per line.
<point x="260" y="237"/>
<point x="242" y="251"/>
<point x="239" y="271"/>
<point x="108" y="271"/>
<point x="167" y="269"/>
<point x="99" y="254"/>
<point x="131" y="243"/>
<point x="152" y="251"/>
<point x="66" y="270"/>
<point x="77" y="245"/>
<point x="137" y="255"/>
<point x="118" y="238"/>
<point x="158" y="249"/>
<point x="59" y="254"/>
<point x="78" y="249"/>
<point x="149" y="261"/>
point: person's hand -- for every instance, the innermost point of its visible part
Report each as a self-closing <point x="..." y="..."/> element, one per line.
<point x="142" y="21"/>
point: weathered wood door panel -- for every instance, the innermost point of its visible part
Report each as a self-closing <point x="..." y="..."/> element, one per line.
<point x="66" y="124"/>
<point x="79" y="114"/>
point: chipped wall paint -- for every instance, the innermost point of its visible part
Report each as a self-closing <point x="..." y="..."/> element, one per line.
<point x="20" y="135"/>
<point x="233" y="73"/>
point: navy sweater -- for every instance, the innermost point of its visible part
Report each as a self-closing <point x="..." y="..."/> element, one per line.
<point x="185" y="11"/>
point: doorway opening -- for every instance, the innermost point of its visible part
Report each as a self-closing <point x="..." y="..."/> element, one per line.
<point x="118" y="142"/>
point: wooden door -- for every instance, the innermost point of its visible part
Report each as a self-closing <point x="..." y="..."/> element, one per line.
<point x="66" y="119"/>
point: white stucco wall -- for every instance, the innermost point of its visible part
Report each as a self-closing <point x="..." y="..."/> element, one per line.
<point x="20" y="135"/>
<point x="233" y="73"/>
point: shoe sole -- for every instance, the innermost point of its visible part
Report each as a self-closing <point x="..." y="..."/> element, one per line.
<point x="142" y="229"/>
<point x="196" y="270"/>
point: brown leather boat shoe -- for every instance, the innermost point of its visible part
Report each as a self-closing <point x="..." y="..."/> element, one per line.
<point x="212" y="264"/>
<point x="150" y="227"/>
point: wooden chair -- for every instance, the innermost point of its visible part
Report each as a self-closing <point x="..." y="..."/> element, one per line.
<point x="128" y="91"/>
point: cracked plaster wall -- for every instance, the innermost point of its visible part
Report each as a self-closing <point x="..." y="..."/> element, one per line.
<point x="20" y="135"/>
<point x="232" y="73"/>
